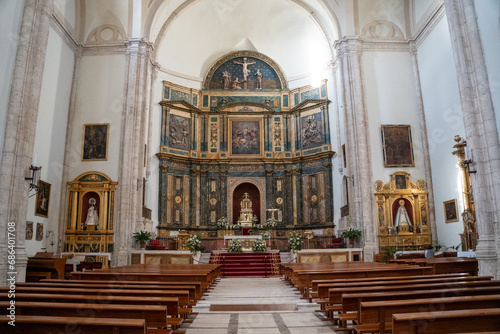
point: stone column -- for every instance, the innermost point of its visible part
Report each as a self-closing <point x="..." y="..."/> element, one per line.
<point x="357" y="142"/>
<point x="425" y="141"/>
<point x="132" y="142"/>
<point x="69" y="161"/>
<point x="480" y="127"/>
<point x="20" y="127"/>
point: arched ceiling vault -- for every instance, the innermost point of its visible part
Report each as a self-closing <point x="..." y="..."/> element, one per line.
<point x="171" y="15"/>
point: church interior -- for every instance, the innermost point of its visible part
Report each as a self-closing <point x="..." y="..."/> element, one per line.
<point x="366" y="130"/>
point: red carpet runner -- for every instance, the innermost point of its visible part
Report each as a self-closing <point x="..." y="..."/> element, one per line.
<point x="247" y="264"/>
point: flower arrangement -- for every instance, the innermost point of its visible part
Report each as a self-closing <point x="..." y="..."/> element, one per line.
<point x="258" y="227"/>
<point x="259" y="246"/>
<point x="235" y="246"/>
<point x="193" y="243"/>
<point x="235" y="226"/>
<point x="266" y="235"/>
<point x="270" y="223"/>
<point x="295" y="240"/>
<point x="222" y="223"/>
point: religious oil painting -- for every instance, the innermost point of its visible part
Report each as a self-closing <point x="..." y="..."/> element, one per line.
<point x="450" y="211"/>
<point x="400" y="181"/>
<point x="246" y="137"/>
<point x="39" y="231"/>
<point x="42" y="199"/>
<point x="397" y="146"/>
<point x="179" y="132"/>
<point x="29" y="230"/>
<point x="311" y="131"/>
<point x="95" y="142"/>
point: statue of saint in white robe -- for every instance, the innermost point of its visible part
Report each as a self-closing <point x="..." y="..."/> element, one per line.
<point x="402" y="217"/>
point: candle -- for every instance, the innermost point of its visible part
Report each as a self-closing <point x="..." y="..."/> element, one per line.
<point x="34" y="159"/>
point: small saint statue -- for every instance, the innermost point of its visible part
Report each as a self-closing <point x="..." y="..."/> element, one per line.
<point x="92" y="216"/>
<point x="402" y="217"/>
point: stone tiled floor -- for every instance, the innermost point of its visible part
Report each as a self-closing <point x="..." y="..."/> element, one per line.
<point x="255" y="291"/>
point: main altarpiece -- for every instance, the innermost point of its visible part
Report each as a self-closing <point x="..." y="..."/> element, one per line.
<point x="244" y="134"/>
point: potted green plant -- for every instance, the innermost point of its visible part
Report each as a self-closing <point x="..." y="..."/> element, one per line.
<point x="351" y="234"/>
<point x="142" y="237"/>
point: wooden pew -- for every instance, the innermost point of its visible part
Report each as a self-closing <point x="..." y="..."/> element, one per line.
<point x="351" y="301"/>
<point x="444" y="265"/>
<point x="114" y="282"/>
<point x="143" y="276"/>
<point x="48" y="325"/>
<point x="372" y="280"/>
<point x="458" y="321"/>
<point x="181" y="295"/>
<point x="377" y="316"/>
<point x="190" y="288"/>
<point x="322" y="289"/>
<point x="171" y="303"/>
<point x="154" y="315"/>
<point x="305" y="278"/>
<point x="350" y="311"/>
<point x="329" y="306"/>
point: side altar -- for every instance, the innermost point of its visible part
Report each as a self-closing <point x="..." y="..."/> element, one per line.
<point x="402" y="213"/>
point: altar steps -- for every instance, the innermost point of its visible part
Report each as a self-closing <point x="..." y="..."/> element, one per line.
<point x="246" y="264"/>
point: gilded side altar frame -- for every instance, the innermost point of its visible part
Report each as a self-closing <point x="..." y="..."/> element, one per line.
<point x="415" y="193"/>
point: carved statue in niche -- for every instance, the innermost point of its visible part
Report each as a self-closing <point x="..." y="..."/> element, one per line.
<point x="236" y="83"/>
<point x="402" y="219"/>
<point x="277" y="134"/>
<point x="213" y="135"/>
<point x="92" y="215"/>
<point x="258" y="78"/>
<point x="226" y="80"/>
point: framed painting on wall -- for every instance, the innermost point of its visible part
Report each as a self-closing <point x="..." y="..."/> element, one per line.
<point x="29" y="230"/>
<point x="397" y="146"/>
<point x="246" y="137"/>
<point x="42" y="199"/>
<point x="39" y="231"/>
<point x="450" y="211"/>
<point x="95" y="142"/>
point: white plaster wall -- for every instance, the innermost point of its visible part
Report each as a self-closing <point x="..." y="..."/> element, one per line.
<point x="50" y="136"/>
<point x="421" y="9"/>
<point x="390" y="99"/>
<point x="444" y="120"/>
<point x="99" y="100"/>
<point x="488" y="20"/>
<point x="10" y="23"/>
<point x="392" y="11"/>
<point x="100" y="12"/>
<point x="68" y="9"/>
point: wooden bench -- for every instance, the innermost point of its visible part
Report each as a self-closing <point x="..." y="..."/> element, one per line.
<point x="154" y="315"/>
<point x="117" y="283"/>
<point x="171" y="303"/>
<point x="328" y="306"/>
<point x="351" y="302"/>
<point x="48" y="325"/>
<point x="377" y="316"/>
<point x="99" y="288"/>
<point x="459" y="321"/>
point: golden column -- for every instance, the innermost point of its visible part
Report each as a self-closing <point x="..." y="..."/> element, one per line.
<point x="469" y="237"/>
